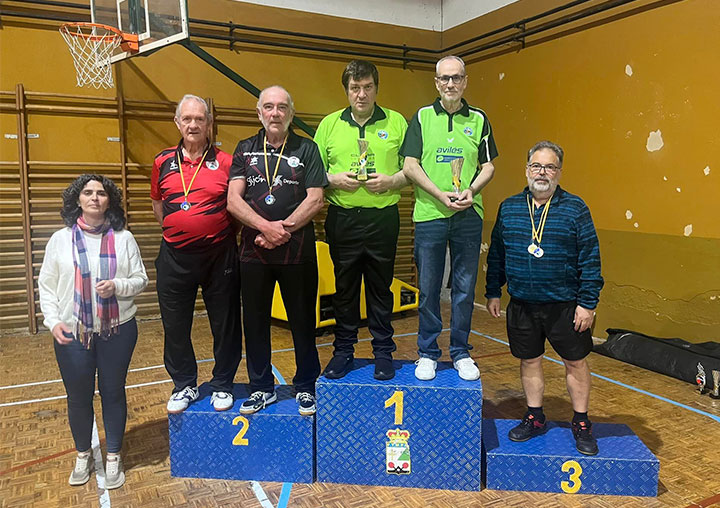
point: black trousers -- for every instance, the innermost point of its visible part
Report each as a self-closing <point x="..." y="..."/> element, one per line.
<point x="110" y="359"/>
<point x="179" y="274"/>
<point x="298" y="286"/>
<point x="363" y="243"/>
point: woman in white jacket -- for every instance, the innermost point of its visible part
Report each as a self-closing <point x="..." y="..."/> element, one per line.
<point x="91" y="273"/>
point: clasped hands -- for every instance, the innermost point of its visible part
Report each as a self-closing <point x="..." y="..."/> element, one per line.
<point x="275" y="234"/>
<point x="457" y="202"/>
<point x="376" y="182"/>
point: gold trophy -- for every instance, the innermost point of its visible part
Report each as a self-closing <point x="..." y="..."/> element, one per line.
<point x="456" y="166"/>
<point x="362" y="168"/>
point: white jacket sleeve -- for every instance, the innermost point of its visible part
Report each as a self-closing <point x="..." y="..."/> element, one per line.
<point x="48" y="285"/>
<point x="136" y="279"/>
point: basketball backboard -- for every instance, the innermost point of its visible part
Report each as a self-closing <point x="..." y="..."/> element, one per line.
<point x="157" y="22"/>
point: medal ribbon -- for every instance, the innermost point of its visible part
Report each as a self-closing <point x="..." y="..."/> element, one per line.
<point x="186" y="190"/>
<point x="538" y="233"/>
<point x="277" y="164"/>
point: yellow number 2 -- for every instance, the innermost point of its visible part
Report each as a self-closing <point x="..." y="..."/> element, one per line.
<point x="239" y="440"/>
<point x="397" y="399"/>
<point x="574" y="477"/>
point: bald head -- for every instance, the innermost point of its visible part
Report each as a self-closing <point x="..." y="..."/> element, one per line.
<point x="275" y="110"/>
<point x="275" y="88"/>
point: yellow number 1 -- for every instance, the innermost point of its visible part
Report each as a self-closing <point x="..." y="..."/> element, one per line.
<point x="397" y="399"/>
<point x="574" y="477"/>
<point x="240" y="439"/>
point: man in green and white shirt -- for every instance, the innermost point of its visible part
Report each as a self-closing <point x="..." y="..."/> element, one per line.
<point x="448" y="209"/>
<point x="362" y="223"/>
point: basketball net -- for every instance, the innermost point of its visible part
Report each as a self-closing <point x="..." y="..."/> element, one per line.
<point x="91" y="46"/>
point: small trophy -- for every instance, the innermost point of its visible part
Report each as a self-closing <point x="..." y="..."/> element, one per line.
<point x="456" y="166"/>
<point x="362" y="168"/>
<point x="715" y="394"/>
<point x="700" y="378"/>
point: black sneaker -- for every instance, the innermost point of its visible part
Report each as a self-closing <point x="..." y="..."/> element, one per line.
<point x="584" y="440"/>
<point x="384" y="369"/>
<point x="306" y="403"/>
<point x="527" y="428"/>
<point x="338" y="366"/>
<point x="257" y="401"/>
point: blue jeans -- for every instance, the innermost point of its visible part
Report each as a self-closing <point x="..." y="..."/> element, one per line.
<point x="463" y="231"/>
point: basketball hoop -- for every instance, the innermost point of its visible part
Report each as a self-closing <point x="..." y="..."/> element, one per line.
<point x="91" y="46"/>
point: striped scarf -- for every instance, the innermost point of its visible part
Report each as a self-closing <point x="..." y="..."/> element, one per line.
<point x="108" y="312"/>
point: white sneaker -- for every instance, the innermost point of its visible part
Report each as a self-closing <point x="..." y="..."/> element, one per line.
<point x="83" y="466"/>
<point x="425" y="370"/>
<point x="114" y="473"/>
<point x="467" y="369"/>
<point x="221" y="401"/>
<point x="181" y="400"/>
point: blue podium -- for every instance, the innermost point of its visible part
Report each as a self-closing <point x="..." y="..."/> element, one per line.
<point x="550" y="463"/>
<point x="275" y="444"/>
<point x="403" y="432"/>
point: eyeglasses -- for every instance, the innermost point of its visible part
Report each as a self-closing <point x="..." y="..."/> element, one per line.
<point x="535" y="167"/>
<point x="457" y="78"/>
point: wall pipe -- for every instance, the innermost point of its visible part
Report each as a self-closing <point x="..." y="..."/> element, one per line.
<point x="404" y="57"/>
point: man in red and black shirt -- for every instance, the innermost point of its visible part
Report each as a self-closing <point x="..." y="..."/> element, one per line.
<point x="189" y="198"/>
<point x="276" y="188"/>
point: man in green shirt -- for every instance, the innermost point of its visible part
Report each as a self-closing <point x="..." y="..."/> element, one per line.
<point x="359" y="147"/>
<point x="448" y="151"/>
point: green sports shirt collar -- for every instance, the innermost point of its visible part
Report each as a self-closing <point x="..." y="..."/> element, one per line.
<point x="378" y="114"/>
<point x="439" y="109"/>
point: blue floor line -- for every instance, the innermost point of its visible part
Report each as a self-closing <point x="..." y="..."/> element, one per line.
<point x="286" y="487"/>
<point x="284" y="495"/>
<point x="619" y="383"/>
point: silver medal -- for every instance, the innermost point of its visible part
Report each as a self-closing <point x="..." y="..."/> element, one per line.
<point x="185" y="206"/>
<point x="535" y="250"/>
<point x="269" y="199"/>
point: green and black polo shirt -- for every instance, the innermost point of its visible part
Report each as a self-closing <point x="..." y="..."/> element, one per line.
<point x="337" y="137"/>
<point x="435" y="138"/>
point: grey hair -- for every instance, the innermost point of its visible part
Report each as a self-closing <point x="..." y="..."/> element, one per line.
<point x="449" y="57"/>
<point x="547" y="145"/>
<point x="290" y="101"/>
<point x="191" y="97"/>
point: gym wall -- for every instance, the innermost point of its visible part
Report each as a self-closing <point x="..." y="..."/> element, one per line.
<point x="73" y="125"/>
<point x="655" y="209"/>
<point x="571" y="86"/>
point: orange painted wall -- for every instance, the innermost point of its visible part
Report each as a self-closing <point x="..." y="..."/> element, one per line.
<point x="574" y="90"/>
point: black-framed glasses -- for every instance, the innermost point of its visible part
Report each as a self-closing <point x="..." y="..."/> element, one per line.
<point x="536" y="167"/>
<point x="456" y="78"/>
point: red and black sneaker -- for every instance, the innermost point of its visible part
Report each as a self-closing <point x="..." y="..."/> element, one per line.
<point x="584" y="440"/>
<point x="527" y="428"/>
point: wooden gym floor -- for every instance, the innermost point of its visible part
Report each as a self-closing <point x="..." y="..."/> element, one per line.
<point x="37" y="454"/>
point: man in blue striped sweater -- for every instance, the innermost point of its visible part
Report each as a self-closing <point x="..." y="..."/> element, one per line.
<point x="544" y="246"/>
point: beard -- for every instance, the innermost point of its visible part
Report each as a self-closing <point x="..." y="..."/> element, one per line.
<point x="539" y="186"/>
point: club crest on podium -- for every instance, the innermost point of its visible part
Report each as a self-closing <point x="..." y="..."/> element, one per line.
<point x="397" y="452"/>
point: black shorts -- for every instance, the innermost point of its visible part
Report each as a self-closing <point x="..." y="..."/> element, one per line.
<point x="528" y="324"/>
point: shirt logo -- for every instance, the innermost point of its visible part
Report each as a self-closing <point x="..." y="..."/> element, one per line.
<point x="253" y="161"/>
<point x="450" y="140"/>
<point x="173" y="164"/>
<point x="382" y="134"/>
<point x="212" y="165"/>
<point x="447" y="154"/>
<point x="468" y="131"/>
<point x="293" y="162"/>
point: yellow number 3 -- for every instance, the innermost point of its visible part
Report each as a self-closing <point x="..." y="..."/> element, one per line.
<point x="239" y="439"/>
<point x="574" y="477"/>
